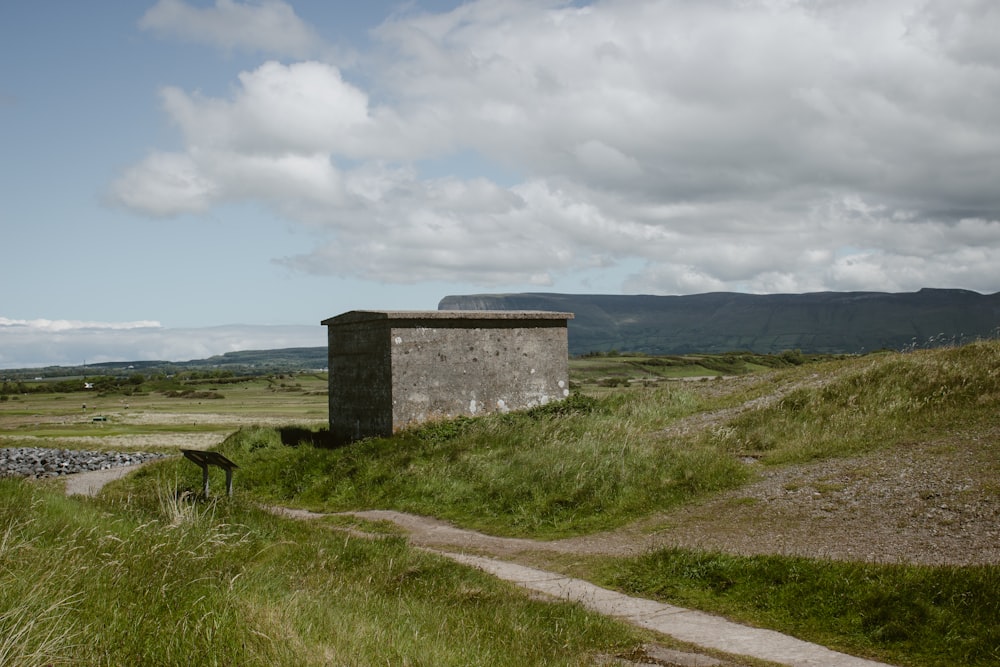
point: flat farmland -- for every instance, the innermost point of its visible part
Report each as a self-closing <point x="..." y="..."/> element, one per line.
<point x="194" y="415"/>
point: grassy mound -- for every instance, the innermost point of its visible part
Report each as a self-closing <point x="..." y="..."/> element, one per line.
<point x="596" y="463"/>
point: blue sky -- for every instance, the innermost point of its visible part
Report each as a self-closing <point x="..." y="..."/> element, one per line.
<point x="186" y="178"/>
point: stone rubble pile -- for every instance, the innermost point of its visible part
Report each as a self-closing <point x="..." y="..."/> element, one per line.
<point x="45" y="462"/>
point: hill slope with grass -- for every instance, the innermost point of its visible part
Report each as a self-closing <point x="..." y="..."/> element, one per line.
<point x="824" y="322"/>
<point x="852" y="502"/>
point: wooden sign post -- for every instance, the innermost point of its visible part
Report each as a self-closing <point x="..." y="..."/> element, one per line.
<point x="205" y="459"/>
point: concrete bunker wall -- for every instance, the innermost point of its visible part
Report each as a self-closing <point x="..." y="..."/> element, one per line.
<point x="394" y="369"/>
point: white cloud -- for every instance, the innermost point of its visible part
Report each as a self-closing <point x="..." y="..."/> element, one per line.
<point x="305" y="107"/>
<point x="755" y="146"/>
<point x="270" y="26"/>
<point x="48" y="326"/>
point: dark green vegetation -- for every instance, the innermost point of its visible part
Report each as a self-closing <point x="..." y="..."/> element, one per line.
<point x="188" y="384"/>
<point x="828" y="322"/>
<point x="601" y="460"/>
<point x="904" y="614"/>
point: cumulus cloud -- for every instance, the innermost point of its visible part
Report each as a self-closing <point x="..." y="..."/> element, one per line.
<point x="753" y="146"/>
<point x="270" y="26"/>
<point x="40" y="342"/>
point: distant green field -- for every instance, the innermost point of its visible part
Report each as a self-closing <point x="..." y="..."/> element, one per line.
<point x="185" y="406"/>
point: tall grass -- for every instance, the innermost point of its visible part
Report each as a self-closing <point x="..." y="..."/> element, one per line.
<point x="931" y="616"/>
<point x="35" y="624"/>
<point x="144" y="577"/>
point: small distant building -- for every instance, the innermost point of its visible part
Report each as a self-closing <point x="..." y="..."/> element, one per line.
<point x="394" y="369"/>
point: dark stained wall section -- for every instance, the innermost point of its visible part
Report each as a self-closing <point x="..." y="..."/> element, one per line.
<point x="360" y="379"/>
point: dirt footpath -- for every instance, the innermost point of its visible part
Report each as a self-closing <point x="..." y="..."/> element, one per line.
<point x="700" y="629"/>
<point x="90" y="483"/>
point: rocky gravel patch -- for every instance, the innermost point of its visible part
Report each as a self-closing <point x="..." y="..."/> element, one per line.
<point x="924" y="503"/>
<point x="39" y="462"/>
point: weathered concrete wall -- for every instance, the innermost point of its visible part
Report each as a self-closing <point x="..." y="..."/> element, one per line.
<point x="394" y="369"/>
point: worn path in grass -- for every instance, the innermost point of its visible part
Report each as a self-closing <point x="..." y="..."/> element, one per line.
<point x="693" y="627"/>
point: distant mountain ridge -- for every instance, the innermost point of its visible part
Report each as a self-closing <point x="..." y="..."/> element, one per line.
<point x="824" y="322"/>
<point x="243" y="362"/>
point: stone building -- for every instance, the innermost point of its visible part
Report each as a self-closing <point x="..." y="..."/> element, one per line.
<point x="394" y="369"/>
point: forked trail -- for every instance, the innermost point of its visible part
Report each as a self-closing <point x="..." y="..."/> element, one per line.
<point x="491" y="554"/>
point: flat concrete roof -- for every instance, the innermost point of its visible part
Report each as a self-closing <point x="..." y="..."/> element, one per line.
<point x="355" y="316"/>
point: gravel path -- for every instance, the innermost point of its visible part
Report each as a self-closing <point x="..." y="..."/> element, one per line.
<point x="91" y="483"/>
